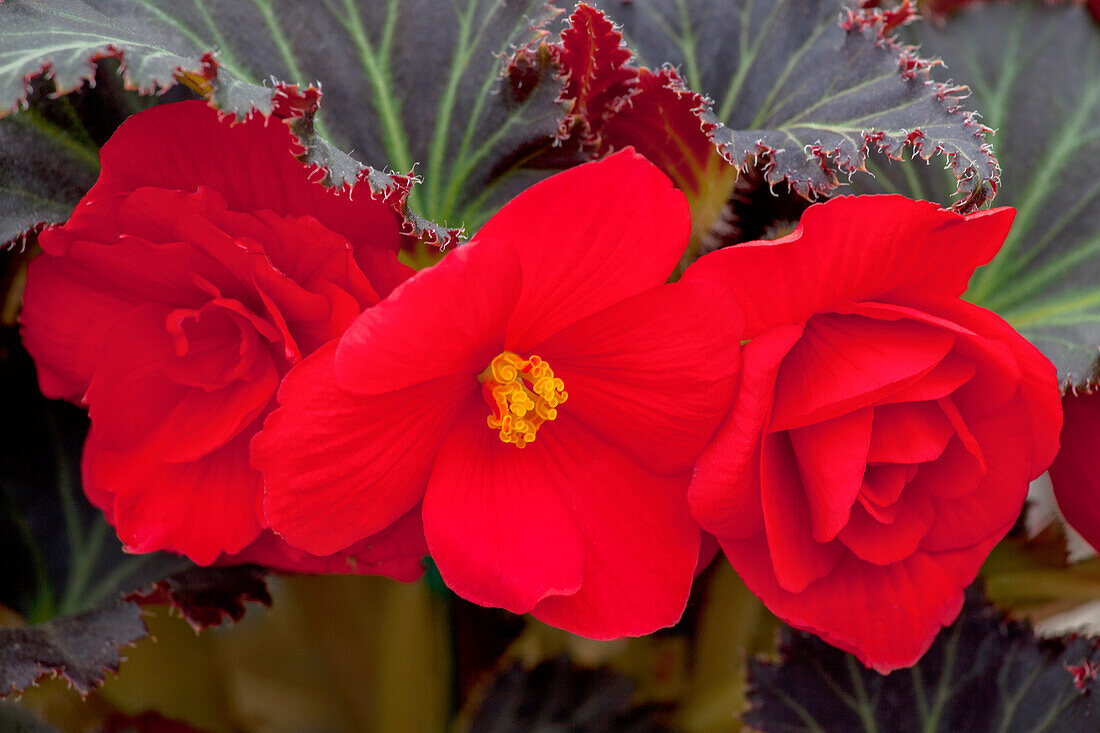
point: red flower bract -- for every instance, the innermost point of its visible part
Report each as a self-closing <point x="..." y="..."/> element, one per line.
<point x="884" y="431"/>
<point x="554" y="326"/>
<point x="201" y="266"/>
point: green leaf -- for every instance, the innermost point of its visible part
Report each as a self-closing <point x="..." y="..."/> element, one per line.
<point x="804" y="89"/>
<point x="983" y="673"/>
<point x="458" y="89"/>
<point x="1033" y="71"/>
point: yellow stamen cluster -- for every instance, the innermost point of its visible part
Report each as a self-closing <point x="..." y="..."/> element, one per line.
<point x="523" y="394"/>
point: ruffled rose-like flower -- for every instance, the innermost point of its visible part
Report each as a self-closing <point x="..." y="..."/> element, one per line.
<point x="884" y="432"/>
<point x="201" y="266"/>
<point x="1075" y="473"/>
<point x="542" y="391"/>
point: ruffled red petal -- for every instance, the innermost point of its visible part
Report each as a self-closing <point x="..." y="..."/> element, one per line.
<point x="253" y="164"/>
<point x="725" y="489"/>
<point x="200" y="509"/>
<point x="852" y="249"/>
<point x="887" y="615"/>
<point x="844" y="362"/>
<point x="396" y="552"/>
<point x="797" y="557"/>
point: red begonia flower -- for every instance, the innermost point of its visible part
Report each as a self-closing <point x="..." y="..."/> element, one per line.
<point x="884" y="432"/>
<point x="1075" y="473"/>
<point x="542" y="391"/>
<point x="201" y="266"/>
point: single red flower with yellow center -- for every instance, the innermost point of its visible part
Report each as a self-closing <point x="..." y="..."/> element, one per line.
<point x="542" y="391"/>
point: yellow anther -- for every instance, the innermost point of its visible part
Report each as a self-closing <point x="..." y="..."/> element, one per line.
<point x="523" y="394"/>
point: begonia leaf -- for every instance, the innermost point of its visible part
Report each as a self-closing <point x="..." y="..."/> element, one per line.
<point x="207" y="596"/>
<point x="1032" y="69"/>
<point x="558" y="695"/>
<point x="984" y="672"/>
<point x="802" y="90"/>
<point x="81" y="648"/>
<point x="461" y="91"/>
<point x="64" y="571"/>
<point x="61" y="555"/>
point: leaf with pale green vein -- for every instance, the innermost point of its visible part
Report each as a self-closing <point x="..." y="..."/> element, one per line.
<point x="64" y="571"/>
<point x="49" y="153"/>
<point x="427" y="83"/>
<point x="806" y="88"/>
<point x="1033" y="71"/>
<point x="983" y="673"/>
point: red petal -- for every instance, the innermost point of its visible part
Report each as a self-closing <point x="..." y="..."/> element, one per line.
<point x="447" y="320"/>
<point x="798" y="558"/>
<point x="882" y="485"/>
<point x="498" y="519"/>
<point x="946" y="377"/>
<point x="135" y="405"/>
<point x="653" y="374"/>
<point x="199" y="509"/>
<point x="997" y="372"/>
<point x="883" y="544"/>
<point x="63" y="319"/>
<point x="252" y="164"/>
<point x="990" y="510"/>
<point x="396" y="552"/>
<point x="852" y="249"/>
<point x="641" y="546"/>
<point x="956" y="473"/>
<point x="340" y="466"/>
<point x="909" y="432"/>
<point x="844" y="362"/>
<point x="725" y="490"/>
<point x="832" y="457"/>
<point x="1038" y="377"/>
<point x="887" y="615"/>
<point x="1076" y="471"/>
<point x="621" y="231"/>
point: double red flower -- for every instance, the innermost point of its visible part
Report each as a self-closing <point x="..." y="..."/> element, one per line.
<point x="542" y="392"/>
<point x="884" y="432"/>
<point x="201" y="266"/>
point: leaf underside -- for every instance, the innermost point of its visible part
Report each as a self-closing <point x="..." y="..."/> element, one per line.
<point x="804" y="89"/>
<point x="80" y="648"/>
<point x="1032" y="68"/>
<point x="983" y="673"/>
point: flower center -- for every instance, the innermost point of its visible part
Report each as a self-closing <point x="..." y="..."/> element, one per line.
<point x="523" y="394"/>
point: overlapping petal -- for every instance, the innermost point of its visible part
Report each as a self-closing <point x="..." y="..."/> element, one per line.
<point x="634" y="374"/>
<point x="340" y="466"/>
<point x="856" y="248"/>
<point x="498" y="519"/>
<point x="903" y="431"/>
